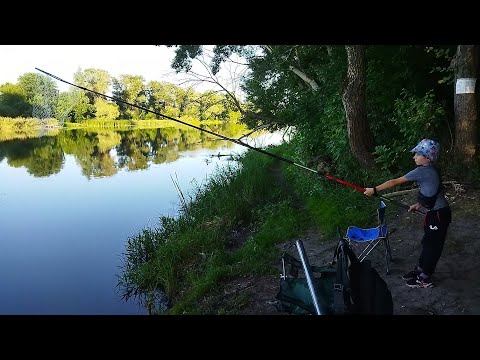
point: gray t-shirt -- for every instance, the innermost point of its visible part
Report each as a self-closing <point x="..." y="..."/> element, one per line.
<point x="427" y="180"/>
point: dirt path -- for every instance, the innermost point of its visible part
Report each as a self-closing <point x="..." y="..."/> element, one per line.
<point x="456" y="280"/>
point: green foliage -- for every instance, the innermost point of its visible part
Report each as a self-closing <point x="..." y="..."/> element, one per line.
<point x="72" y="106"/>
<point x="276" y="222"/>
<point x="106" y="109"/>
<point x="38" y="93"/>
<point x="279" y="96"/>
<point x="191" y="260"/>
<point x="442" y="66"/>
<point x="13" y="101"/>
<point x="184" y="55"/>
<point x="97" y="80"/>
<point x="25" y="128"/>
<point x="331" y="204"/>
<point x="194" y="256"/>
<point x="414" y="118"/>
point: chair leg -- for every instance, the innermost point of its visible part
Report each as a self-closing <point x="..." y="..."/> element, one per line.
<point x="387" y="254"/>
<point x="356" y="248"/>
<point x="389" y="249"/>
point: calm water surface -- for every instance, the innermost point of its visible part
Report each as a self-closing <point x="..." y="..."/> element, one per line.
<point x="69" y="202"/>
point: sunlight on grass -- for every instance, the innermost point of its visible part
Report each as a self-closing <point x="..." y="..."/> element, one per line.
<point x="187" y="257"/>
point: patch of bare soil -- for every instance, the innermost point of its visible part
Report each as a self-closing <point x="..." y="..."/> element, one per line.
<point x="456" y="280"/>
<point x="456" y="288"/>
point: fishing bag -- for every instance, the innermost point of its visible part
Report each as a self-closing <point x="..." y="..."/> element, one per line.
<point x="344" y="286"/>
<point x="359" y="288"/>
<point x="294" y="295"/>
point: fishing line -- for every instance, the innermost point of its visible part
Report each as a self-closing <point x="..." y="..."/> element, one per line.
<point x="328" y="176"/>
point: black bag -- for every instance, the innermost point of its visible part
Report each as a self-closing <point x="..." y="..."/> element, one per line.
<point x="359" y="288"/>
<point x="370" y="292"/>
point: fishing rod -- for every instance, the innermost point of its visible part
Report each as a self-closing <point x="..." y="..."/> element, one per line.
<point x="328" y="176"/>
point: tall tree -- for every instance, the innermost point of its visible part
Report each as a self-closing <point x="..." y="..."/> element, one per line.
<point x="41" y="92"/>
<point x="94" y="79"/>
<point x="97" y="80"/>
<point x="298" y="60"/>
<point x="465" y="103"/>
<point x="131" y="89"/>
<point x="13" y="101"/>
<point x="354" y="103"/>
<point x="221" y="54"/>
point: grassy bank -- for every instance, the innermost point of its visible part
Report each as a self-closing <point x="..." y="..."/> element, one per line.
<point x="229" y="227"/>
<point x="10" y="125"/>
<point x="25" y="128"/>
<point x="137" y="124"/>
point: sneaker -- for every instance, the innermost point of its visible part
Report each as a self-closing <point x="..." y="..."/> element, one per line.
<point x="420" y="282"/>
<point x="411" y="275"/>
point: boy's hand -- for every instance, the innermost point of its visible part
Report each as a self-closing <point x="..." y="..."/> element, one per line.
<point x="369" y="191"/>
<point x="414" y="207"/>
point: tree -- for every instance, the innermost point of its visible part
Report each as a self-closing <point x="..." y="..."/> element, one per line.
<point x="106" y="109"/>
<point x="41" y="93"/>
<point x="72" y="106"/>
<point x="131" y="89"/>
<point x="221" y="54"/>
<point x="354" y="102"/>
<point x="97" y="80"/>
<point x="13" y="101"/>
<point x="466" y="66"/>
<point x="290" y="72"/>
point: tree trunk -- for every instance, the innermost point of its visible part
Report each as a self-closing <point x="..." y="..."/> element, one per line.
<point x="354" y="103"/>
<point x="465" y="104"/>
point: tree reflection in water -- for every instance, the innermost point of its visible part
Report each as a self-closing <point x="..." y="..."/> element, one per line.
<point x="103" y="153"/>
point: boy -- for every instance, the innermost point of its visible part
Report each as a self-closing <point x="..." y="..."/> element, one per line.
<point x="431" y="197"/>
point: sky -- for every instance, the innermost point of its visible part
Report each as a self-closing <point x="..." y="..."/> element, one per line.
<point x="152" y="62"/>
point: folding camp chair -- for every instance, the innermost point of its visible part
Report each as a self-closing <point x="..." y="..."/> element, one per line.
<point x="365" y="240"/>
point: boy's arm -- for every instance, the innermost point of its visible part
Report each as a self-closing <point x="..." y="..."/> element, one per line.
<point x="386" y="185"/>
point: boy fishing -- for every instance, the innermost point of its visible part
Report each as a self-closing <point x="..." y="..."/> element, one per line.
<point x="432" y="198"/>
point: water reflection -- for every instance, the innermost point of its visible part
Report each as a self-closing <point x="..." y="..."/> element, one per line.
<point x="104" y="153"/>
<point x="70" y="199"/>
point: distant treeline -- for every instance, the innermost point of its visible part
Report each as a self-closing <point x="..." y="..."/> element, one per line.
<point x="36" y="95"/>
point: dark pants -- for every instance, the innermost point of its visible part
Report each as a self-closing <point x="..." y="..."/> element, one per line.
<point x="435" y="231"/>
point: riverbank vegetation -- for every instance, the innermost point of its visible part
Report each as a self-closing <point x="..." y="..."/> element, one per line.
<point x="36" y="95"/>
<point x="229" y="227"/>
<point x="353" y="111"/>
<point x="356" y="111"/>
<point x="25" y="128"/>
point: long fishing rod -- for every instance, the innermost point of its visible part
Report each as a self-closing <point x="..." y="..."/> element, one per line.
<point x="328" y="176"/>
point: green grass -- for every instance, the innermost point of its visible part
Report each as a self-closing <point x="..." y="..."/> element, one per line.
<point x="187" y="257"/>
<point x="122" y="124"/>
<point x="25" y="128"/>
<point x="136" y="124"/>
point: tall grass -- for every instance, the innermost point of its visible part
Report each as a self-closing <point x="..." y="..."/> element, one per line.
<point x="24" y="128"/>
<point x="137" y="124"/>
<point x="189" y="256"/>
